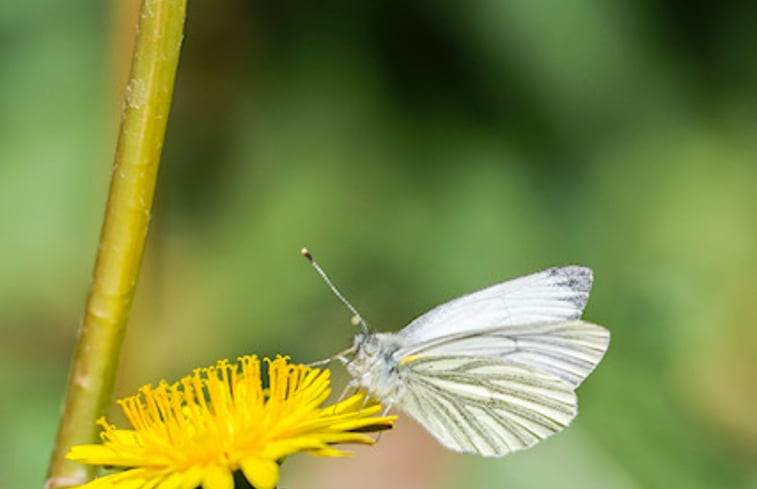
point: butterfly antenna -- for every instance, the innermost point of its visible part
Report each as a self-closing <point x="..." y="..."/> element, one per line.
<point x="357" y="319"/>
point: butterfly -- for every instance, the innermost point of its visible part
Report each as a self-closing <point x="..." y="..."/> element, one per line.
<point x="490" y="372"/>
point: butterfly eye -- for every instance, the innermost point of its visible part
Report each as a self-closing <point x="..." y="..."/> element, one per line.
<point x="368" y="345"/>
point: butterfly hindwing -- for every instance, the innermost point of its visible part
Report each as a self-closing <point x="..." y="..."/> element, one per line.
<point x="481" y="405"/>
<point x="569" y="350"/>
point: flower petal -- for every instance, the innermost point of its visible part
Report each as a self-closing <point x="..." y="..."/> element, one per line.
<point x="105" y="455"/>
<point x="130" y="479"/>
<point x="191" y="478"/>
<point x="217" y="478"/>
<point x="261" y="473"/>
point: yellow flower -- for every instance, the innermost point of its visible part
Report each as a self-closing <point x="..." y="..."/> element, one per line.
<point x="200" y="430"/>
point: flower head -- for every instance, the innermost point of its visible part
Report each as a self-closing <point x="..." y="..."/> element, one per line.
<point x="220" y="419"/>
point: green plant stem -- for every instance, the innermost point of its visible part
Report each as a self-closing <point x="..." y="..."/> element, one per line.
<point x="146" y="107"/>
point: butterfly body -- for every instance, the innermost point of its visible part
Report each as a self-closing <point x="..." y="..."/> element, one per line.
<point x="493" y="371"/>
<point x="374" y="368"/>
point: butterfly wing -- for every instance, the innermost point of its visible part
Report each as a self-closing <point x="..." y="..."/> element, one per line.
<point x="481" y="405"/>
<point x="554" y="294"/>
<point x="569" y="350"/>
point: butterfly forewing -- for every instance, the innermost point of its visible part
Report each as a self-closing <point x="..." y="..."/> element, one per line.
<point x="554" y="294"/>
<point x="486" y="406"/>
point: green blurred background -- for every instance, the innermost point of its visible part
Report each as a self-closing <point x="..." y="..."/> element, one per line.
<point x="421" y="150"/>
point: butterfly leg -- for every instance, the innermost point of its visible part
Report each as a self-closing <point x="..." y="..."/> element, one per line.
<point x="389" y="404"/>
<point x="366" y="398"/>
<point x="320" y="363"/>
<point x="350" y="387"/>
<point x="341" y="356"/>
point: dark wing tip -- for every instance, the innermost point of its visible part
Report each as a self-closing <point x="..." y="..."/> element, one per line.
<point x="578" y="279"/>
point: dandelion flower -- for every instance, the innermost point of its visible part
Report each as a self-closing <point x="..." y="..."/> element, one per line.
<point x="219" y="420"/>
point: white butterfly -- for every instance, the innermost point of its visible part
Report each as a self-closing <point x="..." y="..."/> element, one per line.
<point x="490" y="372"/>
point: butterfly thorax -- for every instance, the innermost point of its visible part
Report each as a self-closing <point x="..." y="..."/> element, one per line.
<point x="373" y="367"/>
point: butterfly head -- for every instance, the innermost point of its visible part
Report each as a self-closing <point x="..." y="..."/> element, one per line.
<point x="373" y="365"/>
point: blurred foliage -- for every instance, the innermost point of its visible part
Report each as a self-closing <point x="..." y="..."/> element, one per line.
<point x="421" y="150"/>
